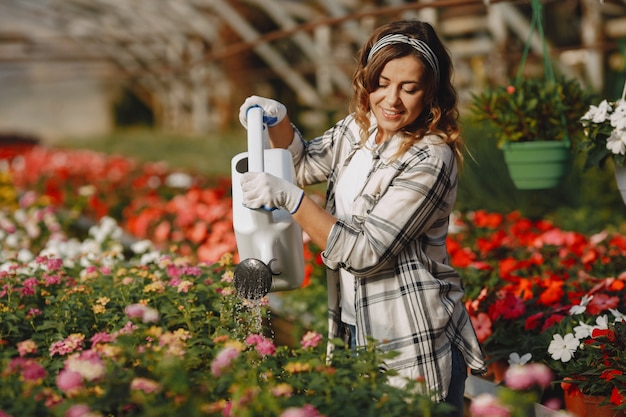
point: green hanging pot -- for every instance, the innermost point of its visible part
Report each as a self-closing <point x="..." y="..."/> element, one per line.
<point x="536" y="165"/>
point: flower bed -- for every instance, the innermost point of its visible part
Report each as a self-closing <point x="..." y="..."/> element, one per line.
<point x="85" y="331"/>
<point x="525" y="280"/>
<point x="536" y="293"/>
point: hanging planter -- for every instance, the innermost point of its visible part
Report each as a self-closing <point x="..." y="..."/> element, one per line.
<point x="534" y="120"/>
<point x="536" y="165"/>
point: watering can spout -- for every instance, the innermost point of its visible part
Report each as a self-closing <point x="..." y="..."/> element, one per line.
<point x="252" y="279"/>
<point x="269" y="243"/>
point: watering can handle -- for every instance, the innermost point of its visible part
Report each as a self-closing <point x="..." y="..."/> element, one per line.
<point x="255" y="139"/>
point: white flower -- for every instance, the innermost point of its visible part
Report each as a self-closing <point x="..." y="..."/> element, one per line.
<point x="24" y="255"/>
<point x="616" y="143"/>
<point x="150" y="257"/>
<point x="179" y="180"/>
<point x="583" y="331"/>
<point x="619" y="316"/>
<point x="141" y="246"/>
<point x="516" y="359"/>
<point x="618" y="118"/>
<point x="580" y="308"/>
<point x="599" y="113"/>
<point x="563" y="348"/>
<point x="602" y="322"/>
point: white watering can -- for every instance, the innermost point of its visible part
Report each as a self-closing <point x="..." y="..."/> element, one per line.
<point x="270" y="243"/>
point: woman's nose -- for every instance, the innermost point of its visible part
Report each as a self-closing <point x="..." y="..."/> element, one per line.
<point x="393" y="96"/>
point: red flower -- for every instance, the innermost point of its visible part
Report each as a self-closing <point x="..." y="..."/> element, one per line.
<point x="487" y="220"/>
<point x="609" y="334"/>
<point x="601" y="302"/>
<point x="609" y="374"/>
<point x="510" y="307"/>
<point x="552" y="320"/>
<point x="617" y="397"/>
<point x="533" y="322"/>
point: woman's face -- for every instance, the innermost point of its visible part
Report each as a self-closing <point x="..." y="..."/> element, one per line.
<point x="399" y="98"/>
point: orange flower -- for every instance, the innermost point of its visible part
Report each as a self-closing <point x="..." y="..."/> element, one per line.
<point x="552" y="294"/>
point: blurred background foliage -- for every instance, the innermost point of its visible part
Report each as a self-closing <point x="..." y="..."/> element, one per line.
<point x="587" y="202"/>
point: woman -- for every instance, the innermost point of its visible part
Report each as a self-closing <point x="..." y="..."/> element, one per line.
<point x="391" y="173"/>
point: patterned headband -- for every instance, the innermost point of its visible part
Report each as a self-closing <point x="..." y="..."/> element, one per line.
<point x="419" y="46"/>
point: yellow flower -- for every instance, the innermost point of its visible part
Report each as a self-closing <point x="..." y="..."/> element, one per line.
<point x="103" y="300"/>
<point x="98" y="309"/>
<point x="226" y="259"/>
<point x="156" y="286"/>
<point x="236" y="344"/>
<point x="296" y="367"/>
<point x="155" y="331"/>
<point x="283" y="390"/>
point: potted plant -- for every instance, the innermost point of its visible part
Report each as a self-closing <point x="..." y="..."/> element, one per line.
<point x="588" y="354"/>
<point x="605" y="137"/>
<point x="534" y="121"/>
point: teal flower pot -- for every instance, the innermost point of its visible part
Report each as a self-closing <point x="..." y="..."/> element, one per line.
<point x="536" y="165"/>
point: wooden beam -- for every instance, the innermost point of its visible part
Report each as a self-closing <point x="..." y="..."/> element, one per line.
<point x="273" y="58"/>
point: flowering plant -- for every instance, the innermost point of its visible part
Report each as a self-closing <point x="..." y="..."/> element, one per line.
<point x="588" y="348"/>
<point x="532" y="109"/>
<point x="522" y="388"/>
<point x="605" y="132"/>
<point x="523" y="275"/>
<point x="87" y="330"/>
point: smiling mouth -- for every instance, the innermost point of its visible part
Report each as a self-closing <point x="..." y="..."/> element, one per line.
<point x="391" y="113"/>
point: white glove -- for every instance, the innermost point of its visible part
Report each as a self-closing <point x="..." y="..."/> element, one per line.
<point x="263" y="190"/>
<point x="273" y="111"/>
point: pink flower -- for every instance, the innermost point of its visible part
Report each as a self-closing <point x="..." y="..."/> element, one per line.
<point x="543" y="374"/>
<point x="307" y="410"/>
<point x="128" y="328"/>
<point x="311" y="339"/>
<point x="223" y="360"/>
<point x="487" y="405"/>
<point x="30" y="370"/>
<point x="146" y="385"/>
<point x="253" y="339"/>
<point x="88" y="364"/>
<point x="266" y="347"/>
<point x="68" y="381"/>
<point x="482" y="326"/>
<point x="147" y="314"/>
<point x="262" y="345"/>
<point x="54" y="264"/>
<point x="51" y="280"/>
<point x="78" y="410"/>
<point x="33" y="312"/>
<point x="523" y="377"/>
<point x="134" y="311"/>
<point x="73" y="342"/>
<point x="102" y="337"/>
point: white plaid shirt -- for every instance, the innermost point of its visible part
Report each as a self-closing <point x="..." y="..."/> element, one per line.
<point x="407" y="295"/>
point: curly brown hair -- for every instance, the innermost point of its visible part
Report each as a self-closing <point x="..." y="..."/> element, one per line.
<point x="440" y="115"/>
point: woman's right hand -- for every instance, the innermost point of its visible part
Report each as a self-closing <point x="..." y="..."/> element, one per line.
<point x="273" y="111"/>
